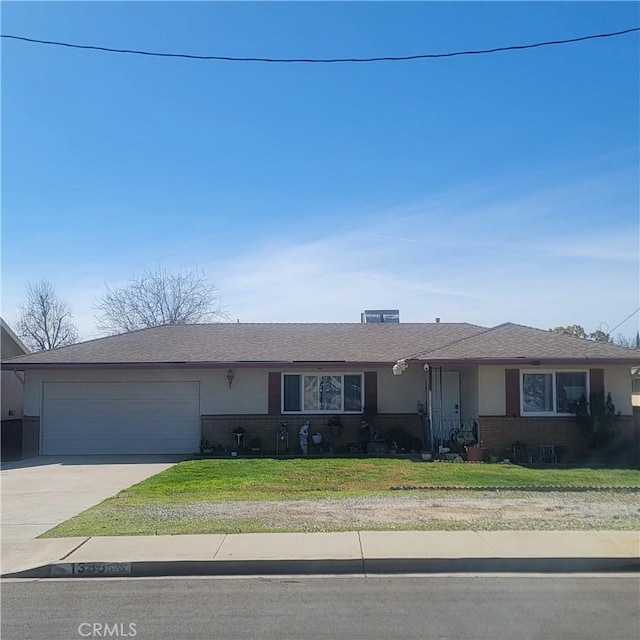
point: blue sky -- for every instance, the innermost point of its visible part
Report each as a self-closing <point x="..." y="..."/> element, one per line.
<point x="482" y="189"/>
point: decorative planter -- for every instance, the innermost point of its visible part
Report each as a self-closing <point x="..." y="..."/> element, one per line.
<point x="475" y="454"/>
<point x="316" y="438"/>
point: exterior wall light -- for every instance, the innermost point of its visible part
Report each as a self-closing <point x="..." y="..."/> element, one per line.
<point x="230" y="376"/>
<point x="399" y="367"/>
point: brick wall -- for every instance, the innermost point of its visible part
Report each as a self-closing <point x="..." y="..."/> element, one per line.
<point x="218" y="429"/>
<point x="30" y="436"/>
<point x="499" y="432"/>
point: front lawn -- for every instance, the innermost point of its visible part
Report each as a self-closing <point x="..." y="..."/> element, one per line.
<point x="139" y="509"/>
<point x="270" y="479"/>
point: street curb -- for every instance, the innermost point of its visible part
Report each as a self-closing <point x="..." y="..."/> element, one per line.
<point x="357" y="566"/>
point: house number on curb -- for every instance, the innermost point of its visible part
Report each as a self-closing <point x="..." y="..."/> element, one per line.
<point x="86" y="569"/>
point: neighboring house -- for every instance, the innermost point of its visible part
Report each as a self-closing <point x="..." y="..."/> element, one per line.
<point x="12" y="384"/>
<point x="12" y="398"/>
<point x="164" y="389"/>
<point x="635" y="386"/>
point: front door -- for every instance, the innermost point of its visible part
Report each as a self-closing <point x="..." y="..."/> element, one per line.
<point x="451" y="398"/>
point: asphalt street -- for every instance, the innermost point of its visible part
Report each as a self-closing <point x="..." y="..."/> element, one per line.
<point x="436" y="607"/>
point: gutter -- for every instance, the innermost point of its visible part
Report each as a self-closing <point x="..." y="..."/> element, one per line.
<point x="280" y="364"/>
<point x="298" y="364"/>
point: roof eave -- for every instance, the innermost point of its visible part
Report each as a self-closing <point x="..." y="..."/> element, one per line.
<point x="290" y="364"/>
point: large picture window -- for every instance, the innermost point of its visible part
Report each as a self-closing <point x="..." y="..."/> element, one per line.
<point x="317" y="393"/>
<point x="552" y="392"/>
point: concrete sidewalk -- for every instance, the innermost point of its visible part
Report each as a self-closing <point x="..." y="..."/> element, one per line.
<point x="364" y="552"/>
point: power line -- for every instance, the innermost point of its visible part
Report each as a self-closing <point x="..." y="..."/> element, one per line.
<point x="422" y="56"/>
<point x="621" y="323"/>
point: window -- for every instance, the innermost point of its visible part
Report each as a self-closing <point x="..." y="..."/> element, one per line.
<point x="552" y="392"/>
<point x="313" y="393"/>
<point x="635" y="385"/>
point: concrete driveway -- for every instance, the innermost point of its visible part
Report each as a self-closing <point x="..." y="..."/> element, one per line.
<point x="41" y="492"/>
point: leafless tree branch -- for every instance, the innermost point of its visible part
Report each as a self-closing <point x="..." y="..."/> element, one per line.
<point x="158" y="298"/>
<point x="45" y="321"/>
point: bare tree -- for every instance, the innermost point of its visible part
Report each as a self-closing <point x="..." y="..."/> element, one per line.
<point x="629" y="343"/>
<point x="45" y="322"/>
<point x="158" y="298"/>
<point x="599" y="336"/>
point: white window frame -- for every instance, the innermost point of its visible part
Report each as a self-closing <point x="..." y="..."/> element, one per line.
<point x="302" y="411"/>
<point x="553" y="373"/>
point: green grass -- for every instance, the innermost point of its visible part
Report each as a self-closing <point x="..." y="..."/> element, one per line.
<point x="206" y="481"/>
<point x="270" y="479"/>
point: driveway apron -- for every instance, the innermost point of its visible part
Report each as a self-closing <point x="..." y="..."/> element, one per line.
<point x="39" y="493"/>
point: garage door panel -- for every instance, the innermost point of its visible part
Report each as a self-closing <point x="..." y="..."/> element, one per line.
<point x="121" y="417"/>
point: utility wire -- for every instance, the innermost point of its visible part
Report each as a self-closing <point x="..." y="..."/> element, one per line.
<point x="319" y="60"/>
<point x="621" y="323"/>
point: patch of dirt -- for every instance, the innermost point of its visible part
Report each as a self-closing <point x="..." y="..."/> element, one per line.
<point x="487" y="510"/>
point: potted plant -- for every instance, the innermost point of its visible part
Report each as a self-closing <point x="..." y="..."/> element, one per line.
<point x="316" y="437"/>
<point x="205" y="447"/>
<point x="475" y="452"/>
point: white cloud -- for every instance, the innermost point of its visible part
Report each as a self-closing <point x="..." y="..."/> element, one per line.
<point x="568" y="254"/>
<point x="454" y="258"/>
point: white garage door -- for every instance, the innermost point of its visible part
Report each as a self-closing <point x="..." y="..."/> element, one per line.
<point x="120" y="417"/>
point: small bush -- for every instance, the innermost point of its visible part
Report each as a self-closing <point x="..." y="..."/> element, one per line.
<point x="597" y="420"/>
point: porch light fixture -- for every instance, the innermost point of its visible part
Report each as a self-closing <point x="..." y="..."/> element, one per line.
<point x="399" y="367"/>
<point x="230" y="376"/>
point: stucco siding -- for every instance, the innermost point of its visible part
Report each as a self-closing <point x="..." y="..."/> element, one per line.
<point x="400" y="394"/>
<point x="491" y="391"/>
<point x="248" y="393"/>
<point x="11" y="390"/>
<point x="32" y="393"/>
<point x="491" y="385"/>
<point x="8" y="347"/>
<point x="12" y="396"/>
<point x="482" y="388"/>
<point x="617" y="380"/>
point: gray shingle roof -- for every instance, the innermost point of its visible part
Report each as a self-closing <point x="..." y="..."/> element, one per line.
<point x="353" y="342"/>
<point x="512" y="341"/>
